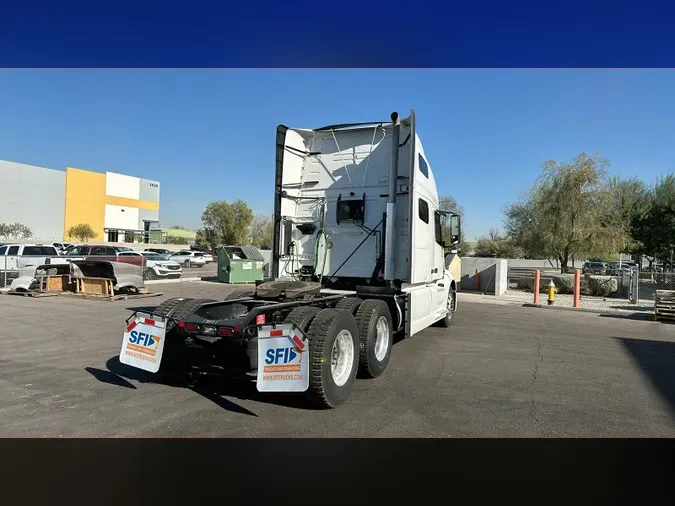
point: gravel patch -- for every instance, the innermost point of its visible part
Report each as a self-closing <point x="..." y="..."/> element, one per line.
<point x="587" y="302"/>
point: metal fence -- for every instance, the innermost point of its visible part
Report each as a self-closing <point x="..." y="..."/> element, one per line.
<point x="643" y="285"/>
<point x="6" y="275"/>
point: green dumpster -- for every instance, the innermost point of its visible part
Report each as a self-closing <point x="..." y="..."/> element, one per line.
<point x="240" y="264"/>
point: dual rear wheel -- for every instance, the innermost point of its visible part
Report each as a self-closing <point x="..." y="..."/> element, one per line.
<point x="354" y="338"/>
<point x="347" y="341"/>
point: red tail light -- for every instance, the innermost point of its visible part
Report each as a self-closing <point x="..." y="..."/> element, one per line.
<point x="225" y="332"/>
<point x="191" y="328"/>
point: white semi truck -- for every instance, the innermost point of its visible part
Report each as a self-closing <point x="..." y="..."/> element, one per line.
<point x="358" y="256"/>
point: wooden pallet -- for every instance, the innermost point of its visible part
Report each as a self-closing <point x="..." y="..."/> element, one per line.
<point x="110" y="298"/>
<point x="664" y="305"/>
<point x="34" y="294"/>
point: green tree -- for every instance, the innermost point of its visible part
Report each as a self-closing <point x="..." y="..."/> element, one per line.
<point x="262" y="231"/>
<point x="654" y="229"/>
<point x="82" y="232"/>
<point x="132" y="237"/>
<point x="630" y="202"/>
<point x="207" y="238"/>
<point x="450" y="205"/>
<point x="228" y="222"/>
<point x="175" y="239"/>
<point x="15" y="231"/>
<point x="496" y="245"/>
<point x="567" y="214"/>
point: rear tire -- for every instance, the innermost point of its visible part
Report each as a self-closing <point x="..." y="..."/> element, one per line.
<point x="350" y="304"/>
<point x="376" y="337"/>
<point x="239" y="294"/>
<point x="175" y="366"/>
<point x="333" y="349"/>
<point x="302" y="316"/>
<point x="166" y="307"/>
<point x="188" y="307"/>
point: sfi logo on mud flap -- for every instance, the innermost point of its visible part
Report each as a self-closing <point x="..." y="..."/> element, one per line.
<point x="144" y="339"/>
<point x="276" y="356"/>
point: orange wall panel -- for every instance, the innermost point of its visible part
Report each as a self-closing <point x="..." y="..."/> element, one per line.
<point x="85" y="201"/>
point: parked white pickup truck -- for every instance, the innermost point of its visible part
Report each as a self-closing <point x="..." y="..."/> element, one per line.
<point x="15" y="256"/>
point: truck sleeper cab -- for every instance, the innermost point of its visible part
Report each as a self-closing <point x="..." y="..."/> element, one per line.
<point x="358" y="256"/>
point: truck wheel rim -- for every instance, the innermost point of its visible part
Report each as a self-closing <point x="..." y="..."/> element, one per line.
<point x="382" y="339"/>
<point x="342" y="357"/>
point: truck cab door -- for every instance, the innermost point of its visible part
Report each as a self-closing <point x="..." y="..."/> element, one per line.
<point x="12" y="258"/>
<point x="441" y="286"/>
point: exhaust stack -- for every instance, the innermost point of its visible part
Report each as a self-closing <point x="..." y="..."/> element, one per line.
<point x="390" y="230"/>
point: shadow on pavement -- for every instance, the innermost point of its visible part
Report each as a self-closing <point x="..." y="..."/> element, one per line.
<point x="211" y="387"/>
<point x="634" y="308"/>
<point x="109" y="377"/>
<point x="656" y="359"/>
<point x="630" y="316"/>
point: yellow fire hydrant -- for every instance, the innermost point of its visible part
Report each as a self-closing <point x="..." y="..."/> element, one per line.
<point x="551" y="293"/>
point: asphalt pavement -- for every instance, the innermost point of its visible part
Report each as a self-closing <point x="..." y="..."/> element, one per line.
<point x="208" y="270"/>
<point x="500" y="370"/>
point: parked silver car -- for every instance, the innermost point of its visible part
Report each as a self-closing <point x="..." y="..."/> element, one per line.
<point x="159" y="266"/>
<point x="189" y="258"/>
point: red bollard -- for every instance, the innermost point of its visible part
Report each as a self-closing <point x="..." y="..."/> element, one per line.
<point x="477" y="278"/>
<point x="577" y="287"/>
<point x="537" y="279"/>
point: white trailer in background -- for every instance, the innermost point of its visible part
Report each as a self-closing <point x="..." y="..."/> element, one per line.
<point x="358" y="256"/>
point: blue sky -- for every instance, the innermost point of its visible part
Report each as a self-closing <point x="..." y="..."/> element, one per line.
<point x="210" y="134"/>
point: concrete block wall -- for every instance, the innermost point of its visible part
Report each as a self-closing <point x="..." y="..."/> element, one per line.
<point x="493" y="274"/>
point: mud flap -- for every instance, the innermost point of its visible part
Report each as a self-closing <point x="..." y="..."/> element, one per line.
<point x="283" y="359"/>
<point x="143" y="342"/>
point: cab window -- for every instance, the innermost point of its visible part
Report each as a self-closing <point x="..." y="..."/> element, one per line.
<point x="424" y="168"/>
<point x="439" y="228"/>
<point x="423" y="210"/>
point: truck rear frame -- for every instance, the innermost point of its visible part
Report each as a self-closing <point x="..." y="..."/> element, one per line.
<point x="346" y="304"/>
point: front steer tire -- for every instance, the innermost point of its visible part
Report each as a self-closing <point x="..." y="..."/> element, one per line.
<point x="323" y="332"/>
<point x="446" y="321"/>
<point x="374" y="353"/>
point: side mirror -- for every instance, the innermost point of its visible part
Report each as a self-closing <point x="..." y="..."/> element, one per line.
<point x="455" y="228"/>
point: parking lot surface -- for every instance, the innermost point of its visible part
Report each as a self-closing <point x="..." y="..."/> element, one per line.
<point x="208" y="270"/>
<point x="498" y="371"/>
